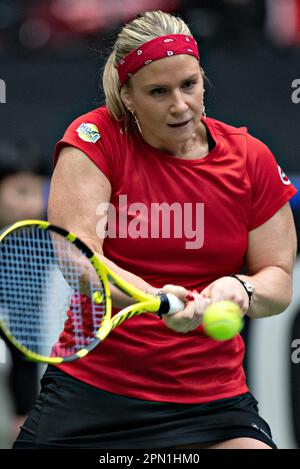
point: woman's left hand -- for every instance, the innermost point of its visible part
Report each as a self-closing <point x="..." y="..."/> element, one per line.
<point x="192" y="315"/>
<point x="227" y="288"/>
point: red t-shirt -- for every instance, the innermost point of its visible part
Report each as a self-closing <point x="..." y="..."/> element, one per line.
<point x="231" y="191"/>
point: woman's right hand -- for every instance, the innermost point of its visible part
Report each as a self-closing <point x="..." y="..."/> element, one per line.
<point x="191" y="316"/>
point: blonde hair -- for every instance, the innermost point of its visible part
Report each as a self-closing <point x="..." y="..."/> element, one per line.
<point x="143" y="28"/>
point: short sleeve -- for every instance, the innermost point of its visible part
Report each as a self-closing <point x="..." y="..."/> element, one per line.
<point x="270" y="187"/>
<point x="97" y="136"/>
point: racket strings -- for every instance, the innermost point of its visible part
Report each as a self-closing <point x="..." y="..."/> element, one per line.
<point x="46" y="286"/>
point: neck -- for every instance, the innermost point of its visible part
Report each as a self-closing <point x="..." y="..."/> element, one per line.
<point x="195" y="147"/>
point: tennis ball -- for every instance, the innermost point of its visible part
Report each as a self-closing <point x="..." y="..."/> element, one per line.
<point x="222" y="320"/>
<point x="97" y="297"/>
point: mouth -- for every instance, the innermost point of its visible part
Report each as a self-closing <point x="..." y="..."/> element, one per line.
<point x="180" y="124"/>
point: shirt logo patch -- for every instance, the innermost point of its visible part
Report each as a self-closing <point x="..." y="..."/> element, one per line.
<point x="88" y="133"/>
<point x="284" y="179"/>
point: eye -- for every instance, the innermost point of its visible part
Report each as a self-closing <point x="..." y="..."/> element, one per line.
<point x="158" y="91"/>
<point x="189" y="84"/>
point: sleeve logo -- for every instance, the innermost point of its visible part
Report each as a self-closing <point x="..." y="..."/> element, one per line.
<point x="88" y="133"/>
<point x="284" y="179"/>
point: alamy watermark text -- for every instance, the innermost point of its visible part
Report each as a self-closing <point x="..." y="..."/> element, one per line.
<point x="154" y="220"/>
<point x="296" y="91"/>
<point x="2" y="91"/>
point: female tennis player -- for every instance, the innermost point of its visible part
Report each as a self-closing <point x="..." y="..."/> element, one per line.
<point x="173" y="201"/>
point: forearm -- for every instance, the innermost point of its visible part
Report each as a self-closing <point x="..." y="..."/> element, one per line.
<point x="273" y="291"/>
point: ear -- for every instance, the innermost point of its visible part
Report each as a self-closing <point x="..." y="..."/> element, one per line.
<point x="125" y="97"/>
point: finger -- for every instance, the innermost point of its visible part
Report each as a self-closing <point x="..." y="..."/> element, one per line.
<point x="217" y="294"/>
<point x="192" y="317"/>
<point x="206" y="292"/>
<point x="187" y="314"/>
<point x="222" y="294"/>
<point x="182" y="293"/>
<point x="201" y="303"/>
<point x="193" y="312"/>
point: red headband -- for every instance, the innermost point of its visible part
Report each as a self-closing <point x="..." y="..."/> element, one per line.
<point x="158" y="48"/>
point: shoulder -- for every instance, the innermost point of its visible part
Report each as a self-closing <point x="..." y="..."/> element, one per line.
<point x="91" y="124"/>
<point x="94" y="131"/>
<point x="224" y="129"/>
<point x="97" y="135"/>
<point x="240" y="138"/>
<point x="232" y="140"/>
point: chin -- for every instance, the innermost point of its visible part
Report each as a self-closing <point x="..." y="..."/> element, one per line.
<point x="182" y="136"/>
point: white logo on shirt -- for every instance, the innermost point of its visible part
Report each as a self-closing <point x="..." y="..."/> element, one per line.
<point x="284" y="177"/>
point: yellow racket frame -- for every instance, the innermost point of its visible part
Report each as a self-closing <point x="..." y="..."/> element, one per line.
<point x="146" y="302"/>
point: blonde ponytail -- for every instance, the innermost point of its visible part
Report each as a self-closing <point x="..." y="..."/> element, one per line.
<point x="111" y="87"/>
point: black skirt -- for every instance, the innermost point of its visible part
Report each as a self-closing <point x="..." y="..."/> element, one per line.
<point x="71" y="414"/>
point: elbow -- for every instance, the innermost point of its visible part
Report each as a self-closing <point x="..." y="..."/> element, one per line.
<point x="288" y="300"/>
<point x="272" y="294"/>
<point x="284" y="291"/>
<point x="282" y="307"/>
<point x="284" y="301"/>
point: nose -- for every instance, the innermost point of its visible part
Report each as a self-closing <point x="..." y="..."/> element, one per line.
<point x="178" y="104"/>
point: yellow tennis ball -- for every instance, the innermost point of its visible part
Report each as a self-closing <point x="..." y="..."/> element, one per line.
<point x="97" y="297"/>
<point x="223" y="320"/>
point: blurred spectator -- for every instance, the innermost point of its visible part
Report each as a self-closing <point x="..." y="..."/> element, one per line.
<point x="94" y="15"/>
<point x="23" y="185"/>
<point x="283" y="22"/>
<point x="60" y="24"/>
<point x="23" y="194"/>
<point x="65" y="24"/>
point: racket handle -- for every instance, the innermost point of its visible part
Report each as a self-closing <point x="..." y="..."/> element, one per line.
<point x="175" y="304"/>
<point x="170" y="304"/>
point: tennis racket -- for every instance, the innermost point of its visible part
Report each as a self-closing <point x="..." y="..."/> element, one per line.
<point x="55" y="294"/>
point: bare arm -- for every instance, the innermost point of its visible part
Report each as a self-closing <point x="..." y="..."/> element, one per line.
<point x="271" y="256"/>
<point x="270" y="260"/>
